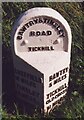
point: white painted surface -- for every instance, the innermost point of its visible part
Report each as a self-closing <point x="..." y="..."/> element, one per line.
<point x="46" y="62"/>
<point x="36" y="12"/>
<point x="43" y="63"/>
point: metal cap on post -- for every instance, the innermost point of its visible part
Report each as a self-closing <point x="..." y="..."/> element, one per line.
<point x="41" y="43"/>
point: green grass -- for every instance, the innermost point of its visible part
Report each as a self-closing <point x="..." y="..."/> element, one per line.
<point x="72" y="108"/>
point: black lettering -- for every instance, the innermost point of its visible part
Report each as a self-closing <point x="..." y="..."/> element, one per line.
<point x="58" y="28"/>
<point x="35" y="20"/>
<point x="47" y="96"/>
<point x="52" y="98"/>
<point x="48" y="21"/>
<point x="45" y="20"/>
<point x="56" y="91"/>
<point x="57" y="74"/>
<point x="23" y="29"/>
<point x="50" y="84"/>
<point x="51" y="22"/>
<point x="27" y="25"/>
<point x="19" y="37"/>
<point x="36" y="48"/>
<point x="54" y="104"/>
<point x="55" y="81"/>
<point x="56" y="96"/>
<point x="48" y="108"/>
<point x="58" y="101"/>
<point x="50" y="78"/>
<point x="37" y="33"/>
<point x="54" y="76"/>
<point x="33" y="48"/>
<point x="55" y="25"/>
<point x="61" y="72"/>
<point x="39" y="48"/>
<point x="32" y="33"/>
<point x="43" y="48"/>
<point x="63" y="77"/>
<point x="43" y="33"/>
<point x="48" y="101"/>
<point x="40" y="20"/>
<point x="31" y="23"/>
<point x="51" y="93"/>
<point x="47" y="48"/>
<point x="64" y="70"/>
<point x="67" y="69"/>
<point x="29" y="49"/>
<point x="60" y="88"/>
<point x="65" y="85"/>
<point x="49" y="32"/>
<point x="51" y="47"/>
<point x="61" y="33"/>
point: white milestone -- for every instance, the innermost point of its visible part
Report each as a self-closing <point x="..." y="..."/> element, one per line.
<point x="41" y="46"/>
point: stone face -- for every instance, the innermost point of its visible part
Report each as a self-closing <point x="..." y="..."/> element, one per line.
<point x="42" y="43"/>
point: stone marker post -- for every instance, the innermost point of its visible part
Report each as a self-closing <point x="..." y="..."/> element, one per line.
<point x="41" y="46"/>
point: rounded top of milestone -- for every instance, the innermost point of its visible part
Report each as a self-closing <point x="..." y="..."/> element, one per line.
<point x="41" y="29"/>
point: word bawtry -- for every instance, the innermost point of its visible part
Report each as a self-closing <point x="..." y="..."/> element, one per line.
<point x="58" y="77"/>
<point x="41" y="20"/>
<point x="57" y="74"/>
